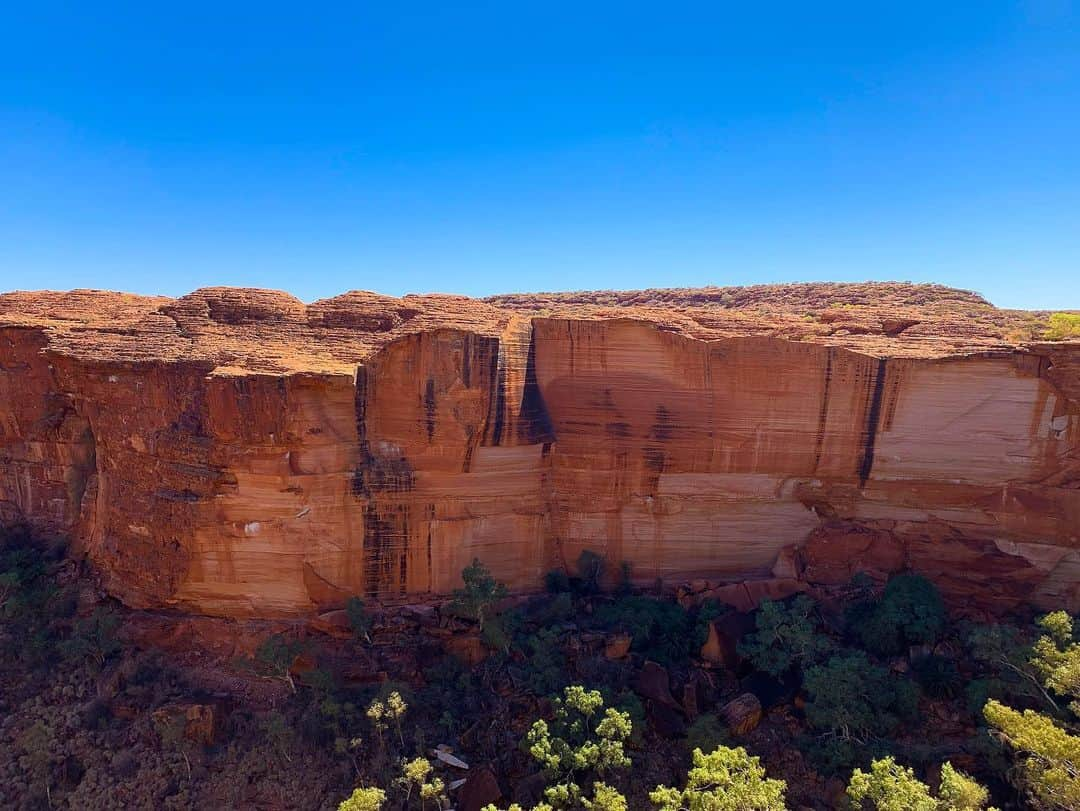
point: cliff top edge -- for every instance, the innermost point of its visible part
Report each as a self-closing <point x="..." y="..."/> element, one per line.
<point x="248" y="330"/>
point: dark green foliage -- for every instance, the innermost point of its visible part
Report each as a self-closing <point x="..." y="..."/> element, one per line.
<point x="545" y="672"/>
<point x="937" y="676"/>
<point x="476" y="601"/>
<point x="787" y="635"/>
<point x="661" y="630"/>
<point x="910" y="612"/>
<point x="706" y="613"/>
<point x="274" y="658"/>
<point x="854" y="699"/>
<point x="706" y="733"/>
<point x="1002" y="654"/>
<point x="93" y="638"/>
<point x="556" y="581"/>
<point x="498" y="633"/>
<point x="359" y="620"/>
<point x="590" y="570"/>
<point x="559" y="608"/>
<point x="978" y="691"/>
<point x="30" y="602"/>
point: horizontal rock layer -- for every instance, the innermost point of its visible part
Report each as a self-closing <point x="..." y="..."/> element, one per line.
<point x="238" y="452"/>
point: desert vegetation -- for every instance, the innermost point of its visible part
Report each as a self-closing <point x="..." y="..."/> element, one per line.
<point x="595" y="695"/>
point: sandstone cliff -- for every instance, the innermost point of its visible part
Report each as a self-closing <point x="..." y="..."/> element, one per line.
<point x="238" y="452"/>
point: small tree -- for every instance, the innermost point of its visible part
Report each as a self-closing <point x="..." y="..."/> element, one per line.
<point x="364" y="799"/>
<point x="580" y="742"/>
<point x="93" y="638"/>
<point x="1055" y="657"/>
<point x="480" y="594"/>
<point x="723" y="780"/>
<point x="958" y="792"/>
<point x="274" y="659"/>
<point x="1003" y="651"/>
<point x="853" y="699"/>
<point x="1049" y="756"/>
<point x="358" y="618"/>
<point x="605" y="798"/>
<point x="910" y="612"/>
<point x="170" y="727"/>
<point x="787" y="636"/>
<point x="279" y="733"/>
<point x="891" y="787"/>
<point x="590" y="569"/>
<point x="35" y="743"/>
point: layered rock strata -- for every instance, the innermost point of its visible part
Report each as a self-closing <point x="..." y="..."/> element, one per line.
<point x="237" y="452"/>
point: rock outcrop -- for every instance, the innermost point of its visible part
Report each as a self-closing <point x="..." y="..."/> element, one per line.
<point x="237" y="452"/>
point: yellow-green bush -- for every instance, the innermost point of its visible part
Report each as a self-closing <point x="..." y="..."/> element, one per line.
<point x="1063" y="327"/>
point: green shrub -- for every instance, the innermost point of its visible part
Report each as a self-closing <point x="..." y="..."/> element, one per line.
<point x="853" y="699"/>
<point x="787" y="635"/>
<point x="584" y="741"/>
<point x="476" y="601"/>
<point x="557" y="581"/>
<point x="889" y="786"/>
<point x="706" y="733"/>
<point x="590" y="571"/>
<point x="1062" y="327"/>
<point x="93" y="638"/>
<point x="660" y="630"/>
<point x="359" y="620"/>
<point x="708" y="611"/>
<point x="910" y="612"/>
<point x="937" y="676"/>
<point x="545" y="662"/>
<point x="723" y="780"/>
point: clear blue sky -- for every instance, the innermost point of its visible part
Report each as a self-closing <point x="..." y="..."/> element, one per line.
<point x="410" y="147"/>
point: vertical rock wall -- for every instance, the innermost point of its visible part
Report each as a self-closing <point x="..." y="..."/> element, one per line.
<point x="230" y="491"/>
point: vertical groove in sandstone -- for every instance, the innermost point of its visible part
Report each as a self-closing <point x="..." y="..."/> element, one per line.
<point x="873" y="417"/>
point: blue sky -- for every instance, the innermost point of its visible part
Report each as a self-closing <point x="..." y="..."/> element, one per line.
<point x="482" y="148"/>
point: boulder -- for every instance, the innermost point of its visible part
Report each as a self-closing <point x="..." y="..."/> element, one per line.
<point x="469" y="648"/>
<point x="654" y="684"/>
<point x="481" y="788"/>
<point x="723" y="637"/>
<point x="617" y="646"/>
<point x="742" y="714"/>
<point x="202" y="723"/>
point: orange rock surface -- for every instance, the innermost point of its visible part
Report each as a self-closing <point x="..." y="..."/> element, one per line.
<point x="238" y="452"/>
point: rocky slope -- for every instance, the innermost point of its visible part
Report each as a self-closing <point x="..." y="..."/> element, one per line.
<point x="238" y="452"/>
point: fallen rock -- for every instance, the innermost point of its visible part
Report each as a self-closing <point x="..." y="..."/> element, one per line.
<point x="742" y="714"/>
<point x="834" y="553"/>
<point x="617" y="646"/>
<point x="724" y="634"/>
<point x="334" y="624"/>
<point x="654" y="684"/>
<point x="202" y="723"/>
<point x="481" y="788"/>
<point x="692" y="699"/>
<point x="469" y="648"/>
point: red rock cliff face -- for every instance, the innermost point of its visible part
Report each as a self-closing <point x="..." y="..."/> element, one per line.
<point x="238" y="452"/>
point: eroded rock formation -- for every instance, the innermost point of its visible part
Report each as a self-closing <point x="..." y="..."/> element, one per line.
<point x="238" y="452"/>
